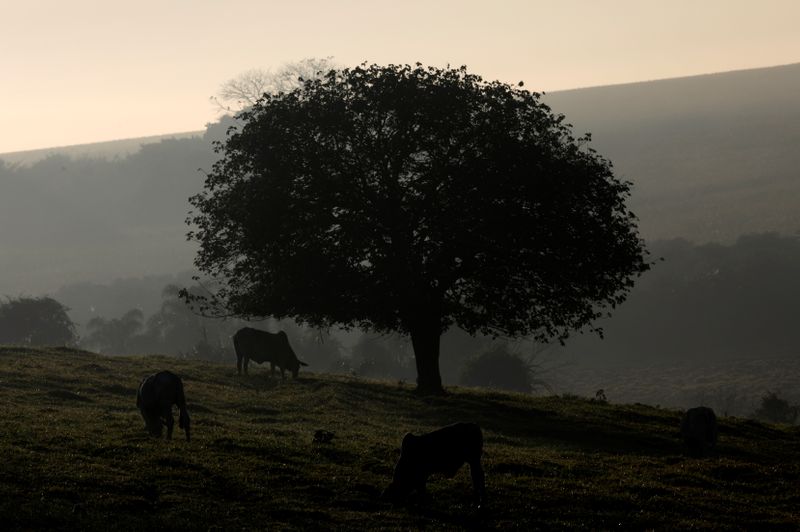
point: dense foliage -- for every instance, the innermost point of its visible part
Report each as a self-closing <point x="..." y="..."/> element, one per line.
<point x="411" y="199"/>
<point x="35" y="321"/>
<point x="501" y="369"/>
<point x="775" y="409"/>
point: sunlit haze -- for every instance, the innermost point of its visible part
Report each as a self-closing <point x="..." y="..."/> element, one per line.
<point x="89" y="70"/>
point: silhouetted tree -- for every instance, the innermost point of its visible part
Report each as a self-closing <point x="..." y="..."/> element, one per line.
<point x="117" y="335"/>
<point x="35" y="321"/>
<point x="775" y="409"/>
<point x="411" y="199"/>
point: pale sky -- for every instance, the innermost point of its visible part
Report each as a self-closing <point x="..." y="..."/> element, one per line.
<point x="82" y="71"/>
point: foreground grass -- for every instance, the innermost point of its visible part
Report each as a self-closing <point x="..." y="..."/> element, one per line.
<point x="75" y="456"/>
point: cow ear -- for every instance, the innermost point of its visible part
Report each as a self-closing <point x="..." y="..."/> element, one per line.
<point x="302" y="363"/>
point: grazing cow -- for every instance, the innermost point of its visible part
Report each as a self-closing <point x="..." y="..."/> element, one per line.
<point x="261" y="346"/>
<point x="442" y="451"/>
<point x="699" y="430"/>
<point x="155" y="398"/>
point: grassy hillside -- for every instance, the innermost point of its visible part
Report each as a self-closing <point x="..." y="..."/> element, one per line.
<point x="733" y="387"/>
<point x="75" y="455"/>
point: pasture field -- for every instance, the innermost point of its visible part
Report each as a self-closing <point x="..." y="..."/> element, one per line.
<point x="74" y="455"/>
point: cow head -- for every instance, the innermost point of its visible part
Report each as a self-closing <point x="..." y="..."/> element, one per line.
<point x="406" y="477"/>
<point x="153" y="424"/>
<point x="295" y="367"/>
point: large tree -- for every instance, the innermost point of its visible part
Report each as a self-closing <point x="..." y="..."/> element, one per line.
<point x="412" y="199"/>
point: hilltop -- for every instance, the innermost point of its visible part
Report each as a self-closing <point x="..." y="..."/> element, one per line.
<point x="110" y="149"/>
<point x="76" y="456"/>
<point x="711" y="157"/>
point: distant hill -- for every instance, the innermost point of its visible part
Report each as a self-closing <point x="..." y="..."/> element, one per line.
<point x="96" y="150"/>
<point x="80" y="219"/>
<point x="711" y="157"/>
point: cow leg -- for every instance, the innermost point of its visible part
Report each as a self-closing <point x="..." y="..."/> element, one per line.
<point x="239" y="364"/>
<point x="422" y="493"/>
<point x="152" y="422"/>
<point x="170" y="421"/>
<point x="478" y="481"/>
<point x="246" y="363"/>
<point x="272" y="369"/>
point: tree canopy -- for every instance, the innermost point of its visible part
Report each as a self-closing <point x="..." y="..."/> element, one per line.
<point x="35" y="321"/>
<point x="413" y="199"/>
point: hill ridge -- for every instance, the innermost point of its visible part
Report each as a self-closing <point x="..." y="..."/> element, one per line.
<point x="749" y="70"/>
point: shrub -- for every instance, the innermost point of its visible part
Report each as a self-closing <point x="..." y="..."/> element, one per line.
<point x="36" y="321"/>
<point x="501" y="369"/>
<point x="773" y="409"/>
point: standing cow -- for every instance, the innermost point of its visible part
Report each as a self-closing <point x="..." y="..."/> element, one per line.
<point x="699" y="430"/>
<point x="261" y="346"/>
<point x="155" y="397"/>
<point x="442" y="451"/>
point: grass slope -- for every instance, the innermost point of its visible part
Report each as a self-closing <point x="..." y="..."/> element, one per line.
<point x="75" y="455"/>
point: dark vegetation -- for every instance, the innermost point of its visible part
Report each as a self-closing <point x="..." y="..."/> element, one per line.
<point x="76" y="456"/>
<point x="776" y="409"/>
<point x="35" y="321"/>
<point x="502" y="369"/>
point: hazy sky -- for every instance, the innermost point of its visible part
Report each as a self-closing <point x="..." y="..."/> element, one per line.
<point x="82" y="71"/>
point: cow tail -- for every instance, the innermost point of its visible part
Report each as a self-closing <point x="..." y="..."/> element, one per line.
<point x="180" y="400"/>
<point x="238" y="350"/>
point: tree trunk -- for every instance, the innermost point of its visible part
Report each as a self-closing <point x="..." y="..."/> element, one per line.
<point x="425" y="340"/>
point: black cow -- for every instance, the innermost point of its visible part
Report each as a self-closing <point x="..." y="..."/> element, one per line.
<point x="261" y="346"/>
<point x="157" y="393"/>
<point x="442" y="451"/>
<point x="699" y="430"/>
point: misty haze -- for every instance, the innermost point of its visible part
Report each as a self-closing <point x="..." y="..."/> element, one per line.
<point x="392" y="295"/>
